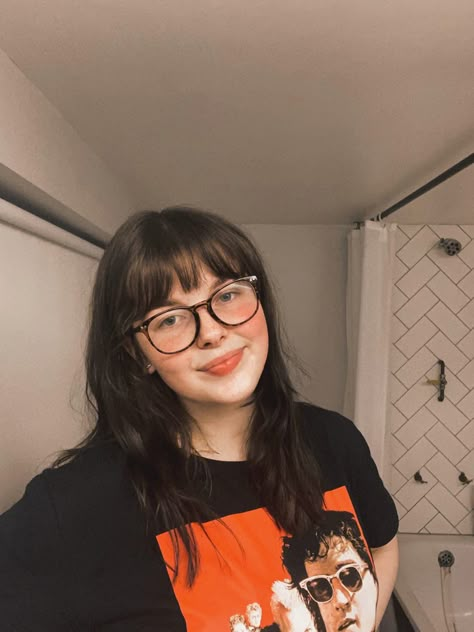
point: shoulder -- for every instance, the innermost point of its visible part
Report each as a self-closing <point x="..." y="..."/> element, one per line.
<point x="89" y="470"/>
<point x="95" y="483"/>
<point x="335" y="439"/>
<point x="92" y="487"/>
<point x="323" y="423"/>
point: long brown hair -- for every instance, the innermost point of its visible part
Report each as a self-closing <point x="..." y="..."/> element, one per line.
<point x="145" y="417"/>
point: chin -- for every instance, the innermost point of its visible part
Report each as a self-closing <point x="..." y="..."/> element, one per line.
<point x="237" y="398"/>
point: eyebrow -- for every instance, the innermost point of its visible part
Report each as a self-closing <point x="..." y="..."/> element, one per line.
<point x="169" y="302"/>
<point x="344" y="563"/>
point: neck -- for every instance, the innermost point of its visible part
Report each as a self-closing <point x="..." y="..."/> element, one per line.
<point x="220" y="431"/>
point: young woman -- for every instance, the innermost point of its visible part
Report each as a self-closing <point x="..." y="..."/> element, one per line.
<point x="171" y="514"/>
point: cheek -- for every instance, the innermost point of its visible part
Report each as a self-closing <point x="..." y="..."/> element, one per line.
<point x="256" y="329"/>
<point x="172" y="368"/>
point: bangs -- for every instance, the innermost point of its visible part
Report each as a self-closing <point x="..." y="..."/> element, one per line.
<point x="179" y="253"/>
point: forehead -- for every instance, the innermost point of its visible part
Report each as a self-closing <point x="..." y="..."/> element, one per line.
<point x="206" y="279"/>
<point x="340" y="552"/>
<point x="207" y="283"/>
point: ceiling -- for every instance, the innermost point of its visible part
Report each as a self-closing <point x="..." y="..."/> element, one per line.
<point x="269" y="111"/>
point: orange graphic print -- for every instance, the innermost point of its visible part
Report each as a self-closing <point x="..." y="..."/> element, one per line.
<point x="249" y="570"/>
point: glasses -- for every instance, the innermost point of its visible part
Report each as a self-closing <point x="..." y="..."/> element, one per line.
<point x="320" y="589"/>
<point x="176" y="329"/>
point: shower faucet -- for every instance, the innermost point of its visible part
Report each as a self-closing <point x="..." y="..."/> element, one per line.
<point x="441" y="382"/>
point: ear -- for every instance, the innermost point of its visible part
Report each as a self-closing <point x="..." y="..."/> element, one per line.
<point x="133" y="349"/>
<point x="150" y="368"/>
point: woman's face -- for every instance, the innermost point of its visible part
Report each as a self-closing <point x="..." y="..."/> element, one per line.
<point x="348" y="611"/>
<point x="183" y="372"/>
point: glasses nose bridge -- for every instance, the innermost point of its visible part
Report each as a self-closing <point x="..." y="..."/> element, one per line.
<point x="339" y="589"/>
<point x="206" y="303"/>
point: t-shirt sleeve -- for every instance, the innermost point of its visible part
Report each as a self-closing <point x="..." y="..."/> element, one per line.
<point x="374" y="504"/>
<point x="31" y="566"/>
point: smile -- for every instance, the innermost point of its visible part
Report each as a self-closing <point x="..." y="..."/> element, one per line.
<point x="227" y="366"/>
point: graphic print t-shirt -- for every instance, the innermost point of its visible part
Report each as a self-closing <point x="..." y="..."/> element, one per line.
<point x="73" y="555"/>
<point x="253" y="573"/>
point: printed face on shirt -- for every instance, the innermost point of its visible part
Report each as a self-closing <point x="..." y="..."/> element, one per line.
<point x="254" y="615"/>
<point x="347" y="610"/>
<point x="183" y="372"/>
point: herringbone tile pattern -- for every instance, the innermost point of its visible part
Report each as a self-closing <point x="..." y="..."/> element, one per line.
<point x="433" y="319"/>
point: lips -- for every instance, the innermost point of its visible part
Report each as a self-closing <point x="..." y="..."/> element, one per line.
<point x="220" y="360"/>
<point x="346" y="624"/>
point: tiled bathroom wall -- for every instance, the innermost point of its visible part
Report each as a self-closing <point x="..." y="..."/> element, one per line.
<point x="433" y="319"/>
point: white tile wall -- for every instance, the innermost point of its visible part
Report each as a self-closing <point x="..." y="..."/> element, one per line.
<point x="415" y="519"/>
<point x="466" y="496"/>
<point x="467" y="254"/>
<point x="415" y="457"/>
<point x="414" y="398"/>
<point x="449" y="323"/>
<point x="396" y="419"/>
<point x="466" y="375"/>
<point x="467" y="284"/>
<point x="446" y="504"/>
<point x="412" y="492"/>
<point x="397" y="480"/>
<point x="433" y="319"/>
<point x="447" y="443"/>
<point x="454" y="267"/>
<point x="417" y="277"/>
<point x="467" y="314"/>
<point x="414" y="369"/>
<point x="466" y="345"/>
<point x="439" y="524"/>
<point x="447" y="292"/>
<point x="447" y="412"/>
<point x="445" y="350"/>
<point x="466" y="526"/>
<point x="414" y="339"/>
<point x="416" y="427"/>
<point x="466" y="405"/>
<point x="400" y="509"/>
<point x="466" y="435"/>
<point x="444" y="470"/>
<point x="457" y="390"/>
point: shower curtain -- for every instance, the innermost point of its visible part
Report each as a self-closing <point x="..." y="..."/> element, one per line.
<point x="371" y="255"/>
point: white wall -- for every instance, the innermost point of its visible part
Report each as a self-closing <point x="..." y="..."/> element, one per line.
<point x="42" y="155"/>
<point x="309" y="267"/>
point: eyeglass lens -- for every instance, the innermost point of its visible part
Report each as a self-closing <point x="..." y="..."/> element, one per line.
<point x="176" y="329"/>
<point x="320" y="588"/>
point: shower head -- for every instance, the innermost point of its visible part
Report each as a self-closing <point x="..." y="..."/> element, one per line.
<point x="451" y="246"/>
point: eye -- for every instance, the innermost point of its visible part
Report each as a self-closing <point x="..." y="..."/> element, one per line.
<point x="172" y="320"/>
<point x="351" y="578"/>
<point x="225" y="297"/>
<point x="168" y="322"/>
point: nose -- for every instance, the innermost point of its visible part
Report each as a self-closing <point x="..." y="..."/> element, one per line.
<point x="341" y="597"/>
<point x="210" y="330"/>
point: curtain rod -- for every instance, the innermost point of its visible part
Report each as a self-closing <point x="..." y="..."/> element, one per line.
<point x="459" y="166"/>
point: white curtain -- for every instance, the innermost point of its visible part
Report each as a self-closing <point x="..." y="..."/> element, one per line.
<point x="371" y="254"/>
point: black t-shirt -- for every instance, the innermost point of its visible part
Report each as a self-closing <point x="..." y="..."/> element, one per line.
<point x="74" y="554"/>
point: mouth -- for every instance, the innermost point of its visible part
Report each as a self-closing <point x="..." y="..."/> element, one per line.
<point x="346" y="623"/>
<point x="220" y="360"/>
<point x="225" y="364"/>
